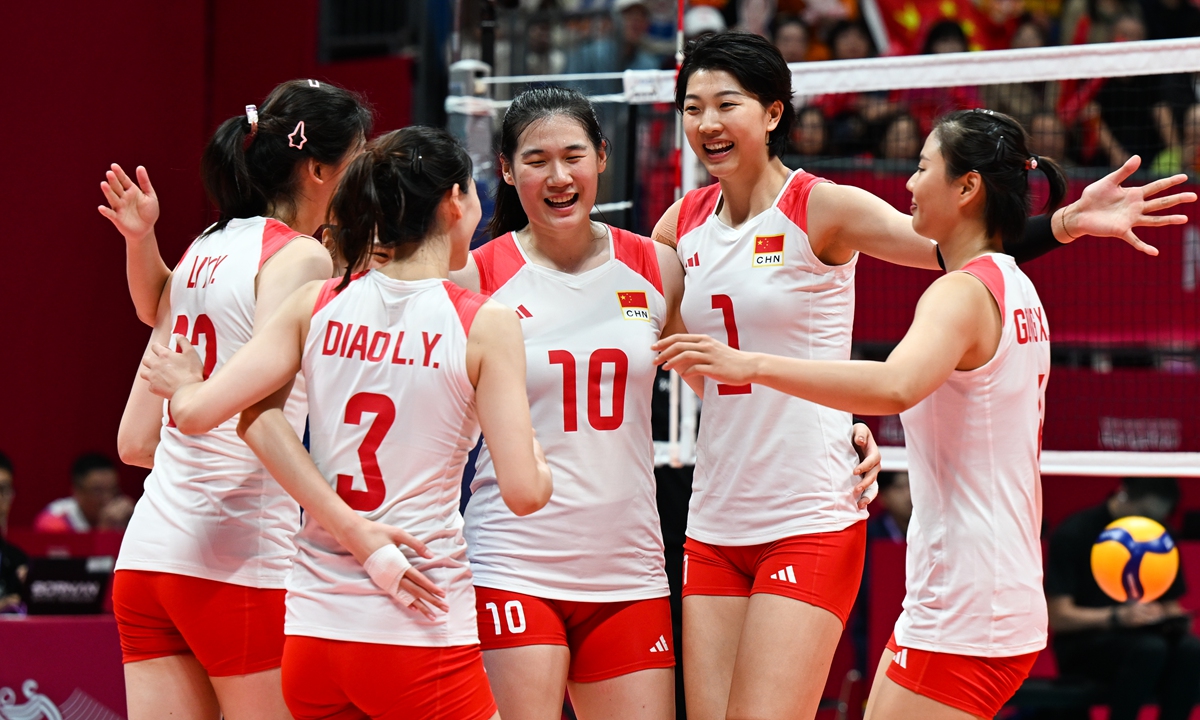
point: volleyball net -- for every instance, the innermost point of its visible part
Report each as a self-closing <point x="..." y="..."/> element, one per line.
<point x="1125" y="386"/>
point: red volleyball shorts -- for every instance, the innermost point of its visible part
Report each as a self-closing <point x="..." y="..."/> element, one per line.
<point x="343" y="680"/>
<point x="976" y="685"/>
<point x="606" y="639"/>
<point x="231" y="629"/>
<point x="821" y="569"/>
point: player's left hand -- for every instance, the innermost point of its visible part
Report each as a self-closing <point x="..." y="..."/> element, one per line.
<point x="1108" y="210"/>
<point x="167" y="370"/>
<point x="702" y="355"/>
<point x="868" y="467"/>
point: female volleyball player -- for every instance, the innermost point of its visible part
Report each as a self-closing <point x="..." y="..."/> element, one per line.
<point x="575" y="597"/>
<point x="198" y="593"/>
<point x="402" y="369"/>
<point x="969" y="380"/>
<point x="775" y="541"/>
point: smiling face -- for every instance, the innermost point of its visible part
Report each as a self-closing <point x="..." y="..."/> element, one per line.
<point x="726" y="126"/>
<point x="556" y="171"/>
<point x="936" y="200"/>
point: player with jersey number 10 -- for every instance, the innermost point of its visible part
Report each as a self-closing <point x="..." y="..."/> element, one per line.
<point x="969" y="381"/>
<point x="403" y="369"/>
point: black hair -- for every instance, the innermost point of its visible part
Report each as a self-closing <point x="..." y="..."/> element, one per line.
<point x="247" y="169"/>
<point x="758" y="67"/>
<point x="782" y="20"/>
<point x="390" y="194"/>
<point x="997" y="147"/>
<point x="842" y="26"/>
<point x="944" y="30"/>
<point x="87" y="463"/>
<point x="527" y="108"/>
<point x="5" y="463"/>
<point x="1166" y="488"/>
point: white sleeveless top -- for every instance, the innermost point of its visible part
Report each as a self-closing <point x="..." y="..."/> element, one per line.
<point x="768" y="465"/>
<point x="392" y="421"/>
<point x="590" y="376"/>
<point x="974" y="564"/>
<point x="210" y="510"/>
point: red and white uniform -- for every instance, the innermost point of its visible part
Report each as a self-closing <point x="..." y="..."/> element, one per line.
<point x="590" y="374"/>
<point x="392" y="421"/>
<point x="210" y="510"/>
<point x="974" y="564"/>
<point x="768" y="465"/>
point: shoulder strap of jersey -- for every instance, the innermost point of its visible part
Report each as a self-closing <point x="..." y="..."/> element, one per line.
<point x="638" y="253"/>
<point x="985" y="269"/>
<point x="497" y="261"/>
<point x="328" y="292"/>
<point x="794" y="203"/>
<point x="697" y="205"/>
<point x="466" y="303"/>
<point x="275" y="236"/>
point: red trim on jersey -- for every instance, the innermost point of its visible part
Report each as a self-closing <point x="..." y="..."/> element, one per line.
<point x="794" y="203"/>
<point x="497" y="261"/>
<point x="984" y="269"/>
<point x="465" y="302"/>
<point x="697" y="205"/>
<point x="275" y="236"/>
<point x="639" y="254"/>
<point x="328" y="292"/>
<point x="185" y="254"/>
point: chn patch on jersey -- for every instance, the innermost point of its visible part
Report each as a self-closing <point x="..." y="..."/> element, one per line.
<point x="768" y="250"/>
<point x="634" y="305"/>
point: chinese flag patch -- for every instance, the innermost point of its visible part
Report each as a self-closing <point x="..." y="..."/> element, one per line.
<point x="634" y="305"/>
<point x="768" y="250"/>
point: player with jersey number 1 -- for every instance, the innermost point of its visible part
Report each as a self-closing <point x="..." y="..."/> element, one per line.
<point x="403" y="369"/>
<point x="969" y="381"/>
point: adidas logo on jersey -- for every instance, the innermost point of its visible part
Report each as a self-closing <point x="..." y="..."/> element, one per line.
<point x="786" y="575"/>
<point x="523" y="312"/>
<point x="661" y="645"/>
<point x="693" y="261"/>
<point x="634" y="305"/>
<point x="901" y="658"/>
<point x="768" y="251"/>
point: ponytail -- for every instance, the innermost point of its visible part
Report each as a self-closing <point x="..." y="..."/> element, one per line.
<point x="1057" y="180"/>
<point x="390" y="194"/>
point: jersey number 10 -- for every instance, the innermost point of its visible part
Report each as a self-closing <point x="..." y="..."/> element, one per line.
<point x="596" y="417"/>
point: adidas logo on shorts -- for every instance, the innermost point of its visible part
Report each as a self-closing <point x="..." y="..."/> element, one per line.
<point x="901" y="658"/>
<point x="660" y="646"/>
<point x="786" y="575"/>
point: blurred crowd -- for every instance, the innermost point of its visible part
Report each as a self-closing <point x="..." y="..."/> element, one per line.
<point x="1097" y="122"/>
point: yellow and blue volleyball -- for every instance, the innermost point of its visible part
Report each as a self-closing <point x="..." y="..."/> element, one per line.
<point x="1134" y="559"/>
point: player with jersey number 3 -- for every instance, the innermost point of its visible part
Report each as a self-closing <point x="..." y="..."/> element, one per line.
<point x="775" y="542"/>
<point x="969" y="381"/>
<point x="403" y="368"/>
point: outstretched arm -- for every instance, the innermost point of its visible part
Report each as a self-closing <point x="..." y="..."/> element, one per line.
<point x="141" y="423"/>
<point x="947" y="326"/>
<point x="133" y="209"/>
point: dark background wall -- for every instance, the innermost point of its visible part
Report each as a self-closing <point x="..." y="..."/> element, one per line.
<point x="134" y="82"/>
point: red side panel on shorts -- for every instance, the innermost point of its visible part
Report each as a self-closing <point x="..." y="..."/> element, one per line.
<point x="976" y="685"/>
<point x="466" y="303"/>
<point x="275" y="236"/>
<point x="985" y="270"/>
<point x="638" y="253"/>
<point x="497" y="262"/>
<point x="794" y="203"/>
<point x="697" y="205"/>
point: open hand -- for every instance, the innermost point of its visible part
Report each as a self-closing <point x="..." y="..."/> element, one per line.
<point x="133" y="208"/>
<point x="702" y="355"/>
<point x="167" y="370"/>
<point x="1108" y="210"/>
<point x="412" y="588"/>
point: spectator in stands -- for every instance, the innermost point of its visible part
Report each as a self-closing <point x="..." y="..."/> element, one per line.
<point x="1138" y="652"/>
<point x="1048" y="136"/>
<point x="1171" y="19"/>
<point x="946" y="36"/>
<point x="96" y="502"/>
<point x="541" y="57"/>
<point x="902" y="140"/>
<point x="896" y="502"/>
<point x="1092" y="21"/>
<point x="702" y="20"/>
<point x="809" y="134"/>
<point x="1023" y="100"/>
<point x="629" y="53"/>
<point x="14" y="563"/>
<point x="856" y="120"/>
<point x="790" y="35"/>
<point x="928" y="104"/>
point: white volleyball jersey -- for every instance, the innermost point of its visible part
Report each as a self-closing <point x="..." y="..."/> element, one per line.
<point x="974" y="564"/>
<point x="768" y="465"/>
<point x="590" y="376"/>
<point x="210" y="509"/>
<point x="392" y="422"/>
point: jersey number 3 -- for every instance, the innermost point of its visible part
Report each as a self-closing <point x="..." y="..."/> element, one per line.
<point x="385" y="414"/>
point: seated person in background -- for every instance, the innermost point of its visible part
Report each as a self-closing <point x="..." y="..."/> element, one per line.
<point x="810" y="137"/>
<point x="96" y="502"/>
<point x="902" y="140"/>
<point x="14" y="563"/>
<point x="1140" y="653"/>
<point x="896" y="502"/>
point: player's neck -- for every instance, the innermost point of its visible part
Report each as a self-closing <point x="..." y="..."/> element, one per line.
<point x="431" y="259"/>
<point x="571" y="250"/>
<point x="965" y="242"/>
<point x="750" y="190"/>
<point x="303" y="217"/>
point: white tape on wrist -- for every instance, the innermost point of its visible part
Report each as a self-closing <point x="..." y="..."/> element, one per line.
<point x="387" y="566"/>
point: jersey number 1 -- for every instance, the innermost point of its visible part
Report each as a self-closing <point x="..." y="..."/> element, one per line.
<point x="724" y="303"/>
<point x="385" y="414"/>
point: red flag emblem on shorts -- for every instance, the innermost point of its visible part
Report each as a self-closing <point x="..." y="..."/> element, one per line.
<point x="768" y="250"/>
<point x="634" y="305"/>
